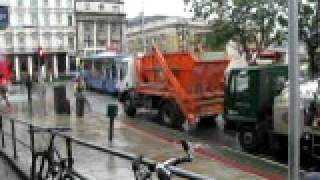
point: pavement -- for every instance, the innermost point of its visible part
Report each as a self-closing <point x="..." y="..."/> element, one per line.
<point x="131" y="135"/>
<point x="6" y="172"/>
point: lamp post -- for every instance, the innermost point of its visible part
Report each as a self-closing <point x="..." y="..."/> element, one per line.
<point x="294" y="100"/>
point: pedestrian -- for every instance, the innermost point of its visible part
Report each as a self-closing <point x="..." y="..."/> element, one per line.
<point x="29" y="87"/>
<point x="81" y="99"/>
<point x="5" y="75"/>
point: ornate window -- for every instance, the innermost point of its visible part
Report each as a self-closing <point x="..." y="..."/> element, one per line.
<point x="34" y="18"/>
<point x="60" y="40"/>
<point x="45" y="3"/>
<point x="20" y="3"/>
<point x="87" y="6"/>
<point x="8" y="39"/>
<point x="47" y="40"/>
<point x="20" y="18"/>
<point x="34" y="3"/>
<point x="21" y="40"/>
<point x="58" y="18"/>
<point x="58" y="3"/>
<point x="35" y="39"/>
<point x="101" y="6"/>
<point x="71" y="42"/>
<point x="46" y="19"/>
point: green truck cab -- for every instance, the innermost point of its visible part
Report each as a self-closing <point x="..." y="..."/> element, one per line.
<point x="248" y="104"/>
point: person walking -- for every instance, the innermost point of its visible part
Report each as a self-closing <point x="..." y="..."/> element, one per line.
<point x="29" y="87"/>
<point x="5" y="75"/>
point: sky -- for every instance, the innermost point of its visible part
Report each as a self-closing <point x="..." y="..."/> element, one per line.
<point x="155" y="7"/>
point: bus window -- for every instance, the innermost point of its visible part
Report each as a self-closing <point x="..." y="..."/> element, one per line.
<point x="123" y="71"/>
<point x="114" y="71"/>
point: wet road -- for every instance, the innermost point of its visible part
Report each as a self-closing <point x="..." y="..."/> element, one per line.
<point x="6" y="172"/>
<point x="207" y="135"/>
<point x="140" y="136"/>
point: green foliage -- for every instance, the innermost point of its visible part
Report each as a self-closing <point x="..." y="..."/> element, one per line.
<point x="221" y="33"/>
<point x="246" y="21"/>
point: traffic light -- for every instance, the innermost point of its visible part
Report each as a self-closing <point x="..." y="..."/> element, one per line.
<point x="41" y="56"/>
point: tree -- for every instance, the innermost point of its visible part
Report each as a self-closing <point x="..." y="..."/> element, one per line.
<point x="245" y="21"/>
<point x="308" y="31"/>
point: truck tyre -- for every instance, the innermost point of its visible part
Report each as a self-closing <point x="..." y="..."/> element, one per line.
<point x="187" y="127"/>
<point x="248" y="139"/>
<point x="171" y="115"/>
<point x="129" y="107"/>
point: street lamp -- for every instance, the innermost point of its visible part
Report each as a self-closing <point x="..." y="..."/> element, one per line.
<point x="294" y="100"/>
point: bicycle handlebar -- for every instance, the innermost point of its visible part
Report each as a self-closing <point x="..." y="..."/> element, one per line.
<point x="177" y="161"/>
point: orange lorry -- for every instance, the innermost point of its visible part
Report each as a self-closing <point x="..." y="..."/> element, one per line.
<point x="183" y="89"/>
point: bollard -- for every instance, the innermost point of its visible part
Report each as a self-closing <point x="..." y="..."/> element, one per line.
<point x="2" y="133"/>
<point x="33" y="166"/>
<point x="69" y="154"/>
<point x="112" y="112"/>
<point x="29" y="88"/>
<point x="14" y="142"/>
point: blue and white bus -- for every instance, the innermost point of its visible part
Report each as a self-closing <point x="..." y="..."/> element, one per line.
<point x="108" y="72"/>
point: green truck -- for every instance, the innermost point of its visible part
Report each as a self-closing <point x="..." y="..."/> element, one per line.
<point x="256" y="106"/>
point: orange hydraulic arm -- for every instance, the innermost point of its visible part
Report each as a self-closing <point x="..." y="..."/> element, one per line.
<point x="183" y="99"/>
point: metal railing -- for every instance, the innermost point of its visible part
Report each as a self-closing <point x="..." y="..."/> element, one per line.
<point x="69" y="142"/>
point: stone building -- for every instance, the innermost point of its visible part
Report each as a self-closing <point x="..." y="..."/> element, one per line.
<point x="64" y="29"/>
<point x="48" y="24"/>
<point x="101" y="26"/>
<point x="169" y="33"/>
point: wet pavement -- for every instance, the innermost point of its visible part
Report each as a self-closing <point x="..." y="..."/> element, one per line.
<point x="132" y="135"/>
<point x="6" y="172"/>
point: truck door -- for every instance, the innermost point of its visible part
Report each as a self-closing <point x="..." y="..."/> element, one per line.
<point x="238" y="107"/>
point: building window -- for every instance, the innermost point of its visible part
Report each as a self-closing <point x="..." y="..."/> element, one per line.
<point x="58" y="3"/>
<point x="47" y="40"/>
<point x="101" y="28"/>
<point x="115" y="9"/>
<point x="45" y="3"/>
<point x="9" y="39"/>
<point x="60" y="40"/>
<point x="21" y="40"/>
<point x="34" y="18"/>
<point x="87" y="6"/>
<point x="34" y="3"/>
<point x="58" y="19"/>
<point x="35" y="42"/>
<point x="113" y="28"/>
<point x="20" y="18"/>
<point x="20" y="3"/>
<point x="46" y="20"/>
<point x="69" y="3"/>
<point x="69" y="20"/>
<point x="71" y="42"/>
<point x="88" y="40"/>
<point x="101" y="7"/>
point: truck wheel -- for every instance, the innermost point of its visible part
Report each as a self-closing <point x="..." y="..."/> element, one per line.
<point x="248" y="139"/>
<point x="187" y="127"/>
<point x="129" y="108"/>
<point x="170" y="115"/>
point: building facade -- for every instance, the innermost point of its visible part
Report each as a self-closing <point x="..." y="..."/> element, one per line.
<point x="101" y="26"/>
<point x="63" y="29"/>
<point x="168" y="33"/>
<point x="34" y="24"/>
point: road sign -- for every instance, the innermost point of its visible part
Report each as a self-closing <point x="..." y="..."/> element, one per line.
<point x="4" y="17"/>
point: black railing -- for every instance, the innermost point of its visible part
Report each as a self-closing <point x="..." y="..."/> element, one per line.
<point x="69" y="141"/>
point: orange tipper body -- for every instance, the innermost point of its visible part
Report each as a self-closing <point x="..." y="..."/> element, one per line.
<point x="196" y="86"/>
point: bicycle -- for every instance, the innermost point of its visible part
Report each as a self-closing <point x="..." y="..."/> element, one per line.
<point x="162" y="170"/>
<point x="52" y="164"/>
